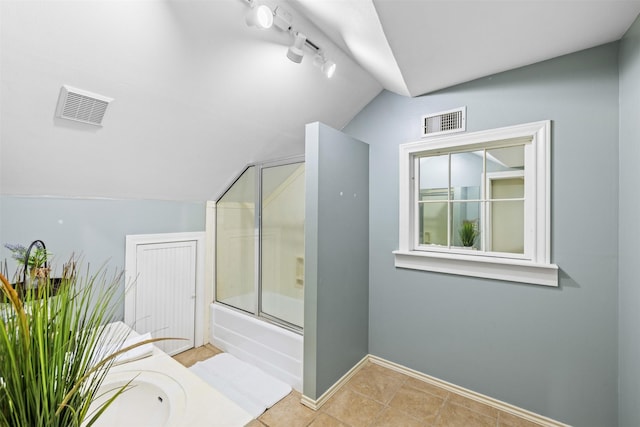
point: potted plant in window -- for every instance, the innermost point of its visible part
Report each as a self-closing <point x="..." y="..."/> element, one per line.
<point x="468" y="233"/>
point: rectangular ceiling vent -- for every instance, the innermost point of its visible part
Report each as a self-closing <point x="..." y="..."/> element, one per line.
<point x="445" y="122"/>
<point x="81" y="106"/>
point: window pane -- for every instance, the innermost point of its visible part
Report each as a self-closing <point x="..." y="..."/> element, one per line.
<point x="505" y="159"/>
<point x="235" y="244"/>
<point x="509" y="188"/>
<point x="466" y="175"/>
<point x="432" y="219"/>
<point x="507" y="226"/>
<point x="458" y="179"/>
<point x="434" y="178"/>
<point x="465" y="230"/>
<point x="434" y="194"/>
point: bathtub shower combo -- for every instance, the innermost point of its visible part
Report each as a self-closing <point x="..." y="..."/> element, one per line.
<point x="258" y="313"/>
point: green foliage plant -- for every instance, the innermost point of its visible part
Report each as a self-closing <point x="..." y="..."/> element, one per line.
<point x="468" y="233"/>
<point x="32" y="260"/>
<point x="53" y="356"/>
<point x="37" y="258"/>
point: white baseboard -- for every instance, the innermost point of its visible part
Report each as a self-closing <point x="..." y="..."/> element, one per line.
<point x="316" y="404"/>
<point x="469" y="394"/>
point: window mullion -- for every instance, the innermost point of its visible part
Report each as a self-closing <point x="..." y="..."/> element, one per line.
<point x="415" y="176"/>
<point x="449" y="205"/>
<point x="483" y="204"/>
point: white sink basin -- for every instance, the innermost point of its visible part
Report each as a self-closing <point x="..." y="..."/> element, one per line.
<point x="152" y="399"/>
<point x="163" y="393"/>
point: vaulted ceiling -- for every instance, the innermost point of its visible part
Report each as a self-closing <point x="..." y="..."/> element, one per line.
<point x="198" y="94"/>
<point x="414" y="47"/>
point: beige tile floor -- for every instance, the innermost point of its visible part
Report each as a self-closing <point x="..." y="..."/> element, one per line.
<point x="376" y="396"/>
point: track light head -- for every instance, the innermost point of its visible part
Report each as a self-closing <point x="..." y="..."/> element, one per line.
<point x="295" y="52"/>
<point x="327" y="66"/>
<point x="260" y="16"/>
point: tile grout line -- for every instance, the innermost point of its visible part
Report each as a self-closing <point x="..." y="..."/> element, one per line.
<point x="387" y="372"/>
<point x="501" y="406"/>
<point x="439" y="414"/>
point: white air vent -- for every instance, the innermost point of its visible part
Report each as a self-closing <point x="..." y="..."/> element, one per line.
<point x="81" y="106"/>
<point x="445" y="122"/>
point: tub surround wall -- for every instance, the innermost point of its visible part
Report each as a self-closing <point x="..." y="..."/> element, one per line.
<point x="549" y="350"/>
<point x="629" y="235"/>
<point x="336" y="293"/>
<point x="283" y="306"/>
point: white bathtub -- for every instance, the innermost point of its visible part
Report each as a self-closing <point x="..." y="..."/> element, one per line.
<point x="275" y="350"/>
<point x="277" y="305"/>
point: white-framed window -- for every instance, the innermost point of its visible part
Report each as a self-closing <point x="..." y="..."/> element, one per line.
<point x="478" y="204"/>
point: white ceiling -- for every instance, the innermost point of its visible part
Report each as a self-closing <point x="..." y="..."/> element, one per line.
<point x="418" y="46"/>
<point x="198" y="94"/>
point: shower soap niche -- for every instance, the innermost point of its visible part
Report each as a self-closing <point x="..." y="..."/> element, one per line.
<point x="299" y="271"/>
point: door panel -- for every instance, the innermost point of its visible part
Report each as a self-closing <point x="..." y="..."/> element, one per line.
<point x="166" y="293"/>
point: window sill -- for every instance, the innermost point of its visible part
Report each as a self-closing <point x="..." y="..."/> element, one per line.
<point x="477" y="266"/>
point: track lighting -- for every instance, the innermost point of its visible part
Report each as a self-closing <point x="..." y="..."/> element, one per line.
<point x="260" y="16"/>
<point x="327" y="66"/>
<point x="263" y="17"/>
<point x="282" y="19"/>
<point x="295" y="52"/>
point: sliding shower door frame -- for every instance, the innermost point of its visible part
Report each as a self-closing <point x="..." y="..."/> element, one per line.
<point x="258" y="236"/>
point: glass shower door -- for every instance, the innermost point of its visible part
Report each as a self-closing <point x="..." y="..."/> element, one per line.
<point x="236" y="244"/>
<point x="282" y="243"/>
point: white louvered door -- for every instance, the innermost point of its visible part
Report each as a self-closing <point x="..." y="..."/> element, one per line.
<point x="162" y="299"/>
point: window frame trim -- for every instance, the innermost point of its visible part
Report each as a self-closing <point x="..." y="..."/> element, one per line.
<point x="536" y="269"/>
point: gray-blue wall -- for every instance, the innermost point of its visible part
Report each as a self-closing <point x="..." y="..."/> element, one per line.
<point x="550" y="350"/>
<point x="92" y="228"/>
<point x="629" y="290"/>
<point x="336" y="307"/>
